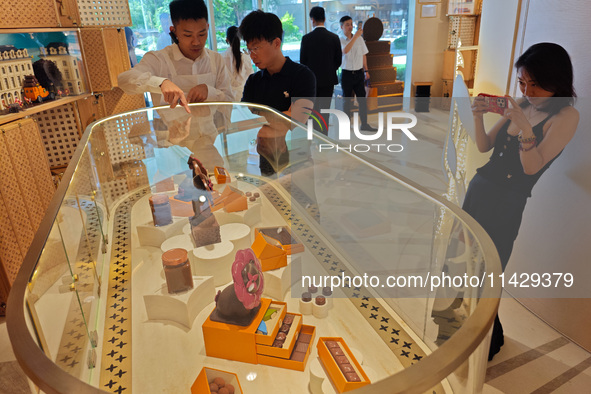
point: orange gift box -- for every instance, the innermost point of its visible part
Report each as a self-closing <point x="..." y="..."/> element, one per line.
<point x="288" y="363"/>
<point x="334" y="372"/>
<point x="233" y="342"/>
<point x="269" y="251"/>
<point x="273" y="325"/>
<point x="292" y="248"/>
<point x="207" y="375"/>
<point x="288" y="345"/>
<point x="221" y="175"/>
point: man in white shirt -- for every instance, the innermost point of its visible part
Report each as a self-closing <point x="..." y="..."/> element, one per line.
<point x="184" y="72"/>
<point x="354" y="69"/>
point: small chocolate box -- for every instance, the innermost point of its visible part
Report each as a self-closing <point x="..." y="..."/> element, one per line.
<point x="340" y="363"/>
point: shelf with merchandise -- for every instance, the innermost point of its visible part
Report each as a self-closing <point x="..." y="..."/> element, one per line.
<point x="51" y="60"/>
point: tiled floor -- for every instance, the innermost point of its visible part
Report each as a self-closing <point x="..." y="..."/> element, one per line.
<point x="535" y="358"/>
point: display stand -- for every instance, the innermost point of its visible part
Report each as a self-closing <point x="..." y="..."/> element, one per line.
<point x="150" y="235"/>
<point x="183" y="307"/>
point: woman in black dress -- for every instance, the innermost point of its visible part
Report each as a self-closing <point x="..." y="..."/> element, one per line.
<point x="528" y="138"/>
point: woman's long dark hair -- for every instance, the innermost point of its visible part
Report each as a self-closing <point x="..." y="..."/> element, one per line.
<point x="234" y="41"/>
<point x="550" y="66"/>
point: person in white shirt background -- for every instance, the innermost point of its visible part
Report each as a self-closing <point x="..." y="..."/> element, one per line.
<point x="354" y="68"/>
<point x="238" y="63"/>
<point x="164" y="38"/>
<point x="182" y="73"/>
<point x="186" y="71"/>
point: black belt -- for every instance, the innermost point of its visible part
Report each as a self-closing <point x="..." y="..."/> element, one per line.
<point x="353" y="71"/>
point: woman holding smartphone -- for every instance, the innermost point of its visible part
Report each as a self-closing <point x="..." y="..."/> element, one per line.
<point x="531" y="134"/>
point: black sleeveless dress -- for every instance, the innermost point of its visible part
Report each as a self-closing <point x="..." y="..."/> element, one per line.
<point x="496" y="198"/>
<point x="498" y="192"/>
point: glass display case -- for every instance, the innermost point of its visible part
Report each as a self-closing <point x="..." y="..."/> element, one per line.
<point x="167" y="262"/>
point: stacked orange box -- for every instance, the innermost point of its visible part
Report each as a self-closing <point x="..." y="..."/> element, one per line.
<point x="209" y="376"/>
<point x="287" y="343"/>
<point x="343" y="369"/>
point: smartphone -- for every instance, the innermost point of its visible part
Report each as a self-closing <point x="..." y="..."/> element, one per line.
<point x="359" y="25"/>
<point x="496" y="104"/>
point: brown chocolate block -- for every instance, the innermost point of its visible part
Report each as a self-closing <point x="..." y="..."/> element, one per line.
<point x="336" y="351"/>
<point x="301" y="347"/>
<point x="342" y="360"/>
<point x="346" y="368"/>
<point x="285" y="328"/>
<point x="331" y="344"/>
<point x="305" y="338"/>
<point x="352" y="377"/>
<point x="281" y="336"/>
<point x="298" y="356"/>
<point x="288" y="319"/>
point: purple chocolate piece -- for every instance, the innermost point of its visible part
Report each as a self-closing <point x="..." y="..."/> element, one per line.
<point x="352" y="377"/>
<point x="312" y="289"/>
<point x="326" y="291"/>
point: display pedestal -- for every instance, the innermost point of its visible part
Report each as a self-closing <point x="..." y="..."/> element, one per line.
<point x="237" y="233"/>
<point x="214" y="260"/>
<point x="181" y="308"/>
<point x="278" y="281"/>
<point x="150" y="235"/>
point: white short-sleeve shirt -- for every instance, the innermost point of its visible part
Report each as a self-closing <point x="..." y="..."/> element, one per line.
<point x="353" y="60"/>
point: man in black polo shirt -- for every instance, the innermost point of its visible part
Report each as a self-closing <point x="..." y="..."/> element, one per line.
<point x="275" y="84"/>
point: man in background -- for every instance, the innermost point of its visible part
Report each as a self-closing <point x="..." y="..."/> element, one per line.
<point x="277" y="82"/>
<point x="321" y="52"/>
<point x="354" y="70"/>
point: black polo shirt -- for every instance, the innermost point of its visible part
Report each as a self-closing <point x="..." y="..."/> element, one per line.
<point x="277" y="90"/>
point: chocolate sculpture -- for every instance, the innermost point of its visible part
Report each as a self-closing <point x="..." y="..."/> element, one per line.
<point x="240" y="302"/>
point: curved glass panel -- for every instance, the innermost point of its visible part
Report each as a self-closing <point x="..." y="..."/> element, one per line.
<point x="143" y="262"/>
